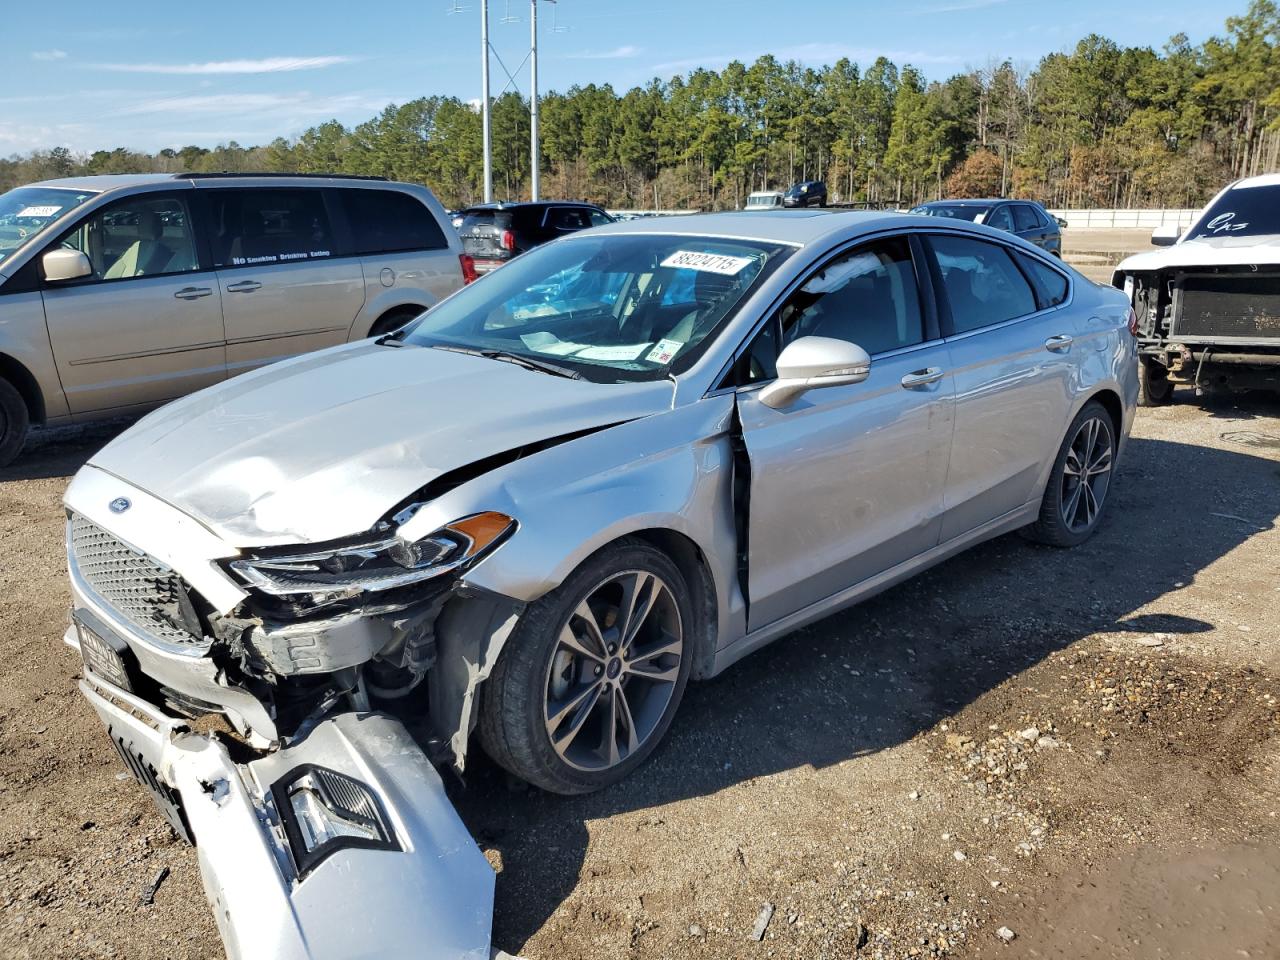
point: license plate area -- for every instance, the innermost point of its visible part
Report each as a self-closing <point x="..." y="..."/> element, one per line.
<point x="106" y="655"/>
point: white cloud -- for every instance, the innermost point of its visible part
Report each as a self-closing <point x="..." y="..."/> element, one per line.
<point x="625" y="52"/>
<point x="291" y="105"/>
<point x="47" y="55"/>
<point x="265" y="65"/>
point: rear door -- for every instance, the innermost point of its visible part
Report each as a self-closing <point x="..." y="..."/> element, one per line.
<point x="146" y="326"/>
<point x="285" y="288"/>
<point x="1014" y="359"/>
<point x="846" y="481"/>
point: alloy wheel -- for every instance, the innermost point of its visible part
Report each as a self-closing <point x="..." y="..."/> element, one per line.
<point x="1086" y="475"/>
<point x="614" y="670"/>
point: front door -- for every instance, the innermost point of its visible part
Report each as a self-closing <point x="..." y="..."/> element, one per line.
<point x="847" y="481"/>
<point x="284" y="290"/>
<point x="146" y="326"/>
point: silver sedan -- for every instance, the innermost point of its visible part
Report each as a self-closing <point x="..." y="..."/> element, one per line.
<point x="621" y="462"/>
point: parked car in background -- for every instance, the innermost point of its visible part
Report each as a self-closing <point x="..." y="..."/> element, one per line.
<point x="1026" y="218"/>
<point x="493" y="233"/>
<point x="120" y="293"/>
<point x="1208" y="306"/>
<point x="764" y="200"/>
<point x="806" y="193"/>
<point x="624" y="461"/>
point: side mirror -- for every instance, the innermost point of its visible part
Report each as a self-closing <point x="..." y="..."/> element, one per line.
<point x="813" y="362"/>
<point x="1165" y="236"/>
<point x="65" y="265"/>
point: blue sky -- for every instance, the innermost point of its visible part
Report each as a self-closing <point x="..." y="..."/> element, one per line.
<point x="170" y="74"/>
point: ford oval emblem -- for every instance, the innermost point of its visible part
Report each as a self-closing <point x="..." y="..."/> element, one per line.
<point x="120" y="504"/>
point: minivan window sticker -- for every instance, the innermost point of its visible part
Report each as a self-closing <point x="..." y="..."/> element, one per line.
<point x="664" y="351"/>
<point x="1225" y="223"/>
<point x="40" y="211"/>
<point x="707" y="262"/>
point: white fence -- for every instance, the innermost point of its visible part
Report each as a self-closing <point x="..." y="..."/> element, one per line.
<point x="1132" y="219"/>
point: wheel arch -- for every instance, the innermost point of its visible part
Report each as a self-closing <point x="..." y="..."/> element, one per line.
<point x="1114" y="406"/>
<point x="13" y="370"/>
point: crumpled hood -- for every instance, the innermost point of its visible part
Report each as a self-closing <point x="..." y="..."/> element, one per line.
<point x="1220" y="251"/>
<point x="323" y="445"/>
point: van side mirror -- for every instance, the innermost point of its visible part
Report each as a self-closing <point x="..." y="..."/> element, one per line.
<point x="1165" y="236"/>
<point x="813" y="362"/>
<point x="65" y="265"/>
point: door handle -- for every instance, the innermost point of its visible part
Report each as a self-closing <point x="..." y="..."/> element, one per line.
<point x="1059" y="344"/>
<point x="193" y="293"/>
<point x="922" y="378"/>
<point x="244" y="286"/>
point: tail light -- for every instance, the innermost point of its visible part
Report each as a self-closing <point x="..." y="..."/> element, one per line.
<point x="1133" y="322"/>
<point x="469" y="274"/>
<point x="508" y="241"/>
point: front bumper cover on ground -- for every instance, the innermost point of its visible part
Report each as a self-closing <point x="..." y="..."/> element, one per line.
<point x="432" y="898"/>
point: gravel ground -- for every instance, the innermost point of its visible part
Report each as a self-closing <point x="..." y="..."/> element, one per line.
<point x="1023" y="753"/>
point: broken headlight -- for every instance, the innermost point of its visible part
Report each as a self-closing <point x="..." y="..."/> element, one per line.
<point x="379" y="561"/>
<point x="323" y="811"/>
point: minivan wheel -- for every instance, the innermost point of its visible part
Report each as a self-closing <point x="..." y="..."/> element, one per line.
<point x="592" y="675"/>
<point x="393" y="320"/>
<point x="1155" y="389"/>
<point x="14" y="422"/>
<point x="1076" y="494"/>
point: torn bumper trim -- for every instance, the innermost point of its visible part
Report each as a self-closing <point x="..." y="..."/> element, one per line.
<point x="432" y="899"/>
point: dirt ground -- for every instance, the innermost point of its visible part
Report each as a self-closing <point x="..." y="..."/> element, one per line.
<point x="1079" y="750"/>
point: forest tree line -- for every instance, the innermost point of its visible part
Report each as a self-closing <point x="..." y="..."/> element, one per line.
<point x="1100" y="126"/>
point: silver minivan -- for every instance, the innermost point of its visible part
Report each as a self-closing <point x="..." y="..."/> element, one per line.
<point x="119" y="293"/>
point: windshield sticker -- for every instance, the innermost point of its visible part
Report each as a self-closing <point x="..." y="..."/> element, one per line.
<point x="1224" y="223"/>
<point x="626" y="351"/>
<point x="549" y="343"/>
<point x="45" y="211"/>
<point x="707" y="262"/>
<point x="665" y="351"/>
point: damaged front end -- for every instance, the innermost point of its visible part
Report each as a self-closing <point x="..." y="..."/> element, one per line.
<point x="1213" y="327"/>
<point x="323" y="680"/>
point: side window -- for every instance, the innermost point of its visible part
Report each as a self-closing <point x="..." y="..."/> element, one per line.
<point x="144" y="236"/>
<point x="1051" y="285"/>
<point x="250" y="227"/>
<point x="1024" y="217"/>
<point x="388" y="221"/>
<point x="1000" y="219"/>
<point x="599" y="218"/>
<point x="568" y="219"/>
<point x="982" y="283"/>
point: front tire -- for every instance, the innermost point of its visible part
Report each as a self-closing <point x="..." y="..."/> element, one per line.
<point x="1155" y="389"/>
<point x="1076" y="495"/>
<point x="590" y="679"/>
<point x="15" y="421"/>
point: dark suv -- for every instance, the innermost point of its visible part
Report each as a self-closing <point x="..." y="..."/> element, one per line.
<point x="1026" y="218"/>
<point x="806" y="193"/>
<point x="493" y="233"/>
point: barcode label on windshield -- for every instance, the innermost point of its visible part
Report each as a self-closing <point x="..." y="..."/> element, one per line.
<point x="709" y="262"/>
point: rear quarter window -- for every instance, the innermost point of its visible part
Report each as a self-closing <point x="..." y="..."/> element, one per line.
<point x="388" y="221"/>
<point x="1051" y="286"/>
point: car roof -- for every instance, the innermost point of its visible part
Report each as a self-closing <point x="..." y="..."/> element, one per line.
<point x="101" y="183"/>
<point x="794" y="227"/>
<point x="518" y="204"/>
<point x="966" y="202"/>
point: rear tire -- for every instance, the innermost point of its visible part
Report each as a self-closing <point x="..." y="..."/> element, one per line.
<point x="393" y="320"/>
<point x="583" y="692"/>
<point x="15" y="421"/>
<point x="1155" y="389"/>
<point x="1075" y="497"/>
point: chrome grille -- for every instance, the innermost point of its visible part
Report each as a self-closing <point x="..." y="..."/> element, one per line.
<point x="145" y="592"/>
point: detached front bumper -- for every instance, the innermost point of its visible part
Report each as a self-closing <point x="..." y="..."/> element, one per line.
<point x="431" y="898"/>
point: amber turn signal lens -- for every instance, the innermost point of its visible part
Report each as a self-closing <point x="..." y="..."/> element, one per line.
<point x="481" y="529"/>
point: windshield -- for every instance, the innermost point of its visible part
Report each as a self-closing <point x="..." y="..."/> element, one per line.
<point x="612" y="308"/>
<point x="764" y="200"/>
<point x="956" y="211"/>
<point x="26" y="211"/>
<point x="1241" y="212"/>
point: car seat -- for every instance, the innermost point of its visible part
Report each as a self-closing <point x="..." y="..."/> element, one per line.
<point x="145" y="256"/>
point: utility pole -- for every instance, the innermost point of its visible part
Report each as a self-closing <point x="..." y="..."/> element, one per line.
<point x="486" y="132"/>
<point x="533" y="97"/>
